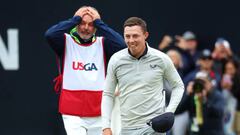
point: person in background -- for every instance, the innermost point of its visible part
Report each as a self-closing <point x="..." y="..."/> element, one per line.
<point x="191" y="44"/>
<point x="205" y="63"/>
<point x="181" y="122"/>
<point x="176" y="58"/>
<point x="230" y="73"/>
<point x="231" y="88"/>
<point x="205" y="104"/>
<point x="221" y="53"/>
<point x="84" y="57"/>
<point x="179" y="44"/>
<point x="236" y="92"/>
<point x="222" y="49"/>
<point x="166" y="42"/>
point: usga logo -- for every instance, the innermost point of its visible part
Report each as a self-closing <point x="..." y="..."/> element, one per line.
<point x="81" y="66"/>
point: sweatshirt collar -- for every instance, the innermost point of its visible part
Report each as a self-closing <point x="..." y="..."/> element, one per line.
<point x="78" y="39"/>
<point x="144" y="53"/>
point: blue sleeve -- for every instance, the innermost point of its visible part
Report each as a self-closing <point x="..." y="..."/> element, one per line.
<point x="190" y="77"/>
<point x="215" y="105"/>
<point x="113" y="41"/>
<point x="55" y="34"/>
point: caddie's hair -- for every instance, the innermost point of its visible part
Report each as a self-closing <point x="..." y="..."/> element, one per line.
<point x="89" y="6"/>
<point x="132" y="21"/>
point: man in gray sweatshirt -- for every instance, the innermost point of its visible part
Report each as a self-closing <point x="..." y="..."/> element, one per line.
<point x="139" y="71"/>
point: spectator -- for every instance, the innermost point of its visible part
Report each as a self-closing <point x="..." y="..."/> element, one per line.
<point x="178" y="43"/>
<point x="205" y="63"/>
<point x="205" y="105"/>
<point x="181" y="117"/>
<point x="176" y="58"/>
<point x="232" y="85"/>
<point x="229" y="73"/>
<point x="221" y="53"/>
<point x="191" y="44"/>
<point x="166" y="42"/>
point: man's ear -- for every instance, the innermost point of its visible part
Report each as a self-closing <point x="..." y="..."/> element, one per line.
<point x="95" y="30"/>
<point x="146" y="35"/>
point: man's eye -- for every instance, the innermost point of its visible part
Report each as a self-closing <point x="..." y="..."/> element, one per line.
<point x="135" y="36"/>
<point x="127" y="36"/>
<point x="82" y="23"/>
<point x="90" y="24"/>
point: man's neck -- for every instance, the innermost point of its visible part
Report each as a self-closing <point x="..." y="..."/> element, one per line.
<point x="206" y="69"/>
<point x="140" y="55"/>
<point x="77" y="38"/>
<point x="84" y="41"/>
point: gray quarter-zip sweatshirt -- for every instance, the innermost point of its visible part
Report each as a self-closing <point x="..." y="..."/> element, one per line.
<point x="140" y="82"/>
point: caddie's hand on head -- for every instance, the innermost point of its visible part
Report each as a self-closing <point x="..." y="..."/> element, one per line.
<point x="81" y="11"/>
<point x="94" y="13"/>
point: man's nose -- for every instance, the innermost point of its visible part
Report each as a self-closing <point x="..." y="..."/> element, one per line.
<point x="131" y="39"/>
<point x="86" y="26"/>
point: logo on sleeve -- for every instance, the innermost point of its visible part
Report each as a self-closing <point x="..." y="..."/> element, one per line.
<point x="82" y="66"/>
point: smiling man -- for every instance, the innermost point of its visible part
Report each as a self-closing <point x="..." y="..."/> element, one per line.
<point x="139" y="71"/>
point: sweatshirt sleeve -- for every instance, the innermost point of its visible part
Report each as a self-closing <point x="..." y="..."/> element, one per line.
<point x="113" y="41"/>
<point x="108" y="94"/>
<point x="176" y="84"/>
<point x="55" y="34"/>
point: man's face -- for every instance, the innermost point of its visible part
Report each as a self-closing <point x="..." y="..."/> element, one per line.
<point x="206" y="63"/>
<point x="174" y="56"/>
<point x="220" y="52"/>
<point x="86" y="28"/>
<point x="135" y="39"/>
<point x="230" y="69"/>
<point x="191" y="44"/>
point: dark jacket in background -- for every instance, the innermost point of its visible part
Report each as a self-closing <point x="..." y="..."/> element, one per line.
<point x="213" y="113"/>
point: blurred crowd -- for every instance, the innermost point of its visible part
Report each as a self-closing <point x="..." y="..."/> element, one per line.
<point x="211" y="102"/>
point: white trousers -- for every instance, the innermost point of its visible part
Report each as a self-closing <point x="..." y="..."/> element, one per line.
<point x="75" y="125"/>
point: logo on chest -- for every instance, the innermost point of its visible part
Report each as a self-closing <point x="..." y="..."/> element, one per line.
<point x="85" y="67"/>
<point x="155" y="66"/>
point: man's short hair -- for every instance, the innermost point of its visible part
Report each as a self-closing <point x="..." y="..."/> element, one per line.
<point x="132" y="21"/>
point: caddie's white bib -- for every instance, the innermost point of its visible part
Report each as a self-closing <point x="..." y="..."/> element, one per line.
<point x="83" y="78"/>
